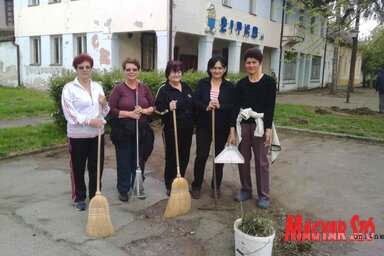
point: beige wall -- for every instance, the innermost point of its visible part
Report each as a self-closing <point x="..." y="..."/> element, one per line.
<point x="130" y="47"/>
<point x="344" y="67"/>
<point x="101" y="16"/>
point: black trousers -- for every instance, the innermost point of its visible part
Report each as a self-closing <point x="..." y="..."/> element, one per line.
<point x="203" y="145"/>
<point x="184" y="137"/>
<point x="83" y="152"/>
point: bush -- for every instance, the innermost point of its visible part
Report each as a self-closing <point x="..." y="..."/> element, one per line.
<point x="108" y="79"/>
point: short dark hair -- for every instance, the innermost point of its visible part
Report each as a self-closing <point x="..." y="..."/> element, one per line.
<point x="80" y="59"/>
<point x="173" y="65"/>
<point x="212" y="62"/>
<point x="253" y="53"/>
<point x="130" y="61"/>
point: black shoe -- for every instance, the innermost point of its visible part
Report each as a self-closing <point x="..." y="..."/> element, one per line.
<point x="123" y="197"/>
<point x="195" y="193"/>
<point x="168" y="192"/>
<point x="218" y="191"/>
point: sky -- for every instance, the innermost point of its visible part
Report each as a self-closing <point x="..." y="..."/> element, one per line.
<point x="366" y="26"/>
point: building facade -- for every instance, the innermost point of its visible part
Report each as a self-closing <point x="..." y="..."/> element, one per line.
<point x="51" y="32"/>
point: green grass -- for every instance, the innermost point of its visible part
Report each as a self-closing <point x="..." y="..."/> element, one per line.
<point x="17" y="140"/>
<point x="360" y="125"/>
<point x="21" y="102"/>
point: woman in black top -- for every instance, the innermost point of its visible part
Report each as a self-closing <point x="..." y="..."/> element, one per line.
<point x="175" y="95"/>
<point x="213" y="92"/>
<point x="257" y="93"/>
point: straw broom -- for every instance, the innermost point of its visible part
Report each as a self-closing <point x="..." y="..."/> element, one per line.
<point x="99" y="221"/>
<point x="179" y="202"/>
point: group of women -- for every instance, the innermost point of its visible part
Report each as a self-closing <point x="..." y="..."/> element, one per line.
<point x="131" y="101"/>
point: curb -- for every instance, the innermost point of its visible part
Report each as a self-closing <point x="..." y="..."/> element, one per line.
<point x="32" y="152"/>
<point x="331" y="135"/>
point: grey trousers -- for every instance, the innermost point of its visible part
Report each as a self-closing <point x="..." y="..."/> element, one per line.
<point x="381" y="102"/>
<point x="260" y="153"/>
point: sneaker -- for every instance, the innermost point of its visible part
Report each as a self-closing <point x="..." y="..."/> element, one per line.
<point x="243" y="196"/>
<point x="80" y="206"/>
<point x="218" y="191"/>
<point x="123" y="197"/>
<point x="263" y="203"/>
<point x="195" y="193"/>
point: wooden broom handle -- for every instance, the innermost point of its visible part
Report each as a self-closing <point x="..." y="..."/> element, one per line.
<point x="98" y="154"/>
<point x="137" y="128"/>
<point x="176" y="143"/>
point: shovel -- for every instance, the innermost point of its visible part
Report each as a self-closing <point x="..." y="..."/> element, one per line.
<point x="138" y="189"/>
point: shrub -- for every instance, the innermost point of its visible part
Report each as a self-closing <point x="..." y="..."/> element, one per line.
<point x="108" y="79"/>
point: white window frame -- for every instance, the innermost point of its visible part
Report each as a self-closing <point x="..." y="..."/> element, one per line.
<point x="35" y="50"/>
<point x="272" y="12"/>
<point x="315" y="68"/>
<point x="252" y="7"/>
<point x="33" y="2"/>
<point x="56" y="50"/>
<point x="80" y="44"/>
<point x="226" y="3"/>
<point x="9" y="14"/>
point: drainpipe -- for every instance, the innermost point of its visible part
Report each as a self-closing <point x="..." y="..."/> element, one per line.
<point x="325" y="55"/>
<point x="281" y="46"/>
<point x="17" y="60"/>
<point x="170" y="30"/>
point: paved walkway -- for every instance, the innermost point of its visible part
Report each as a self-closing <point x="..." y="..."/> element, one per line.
<point x="24" y="122"/>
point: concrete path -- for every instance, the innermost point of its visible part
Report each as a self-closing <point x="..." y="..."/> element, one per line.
<point x="24" y="122"/>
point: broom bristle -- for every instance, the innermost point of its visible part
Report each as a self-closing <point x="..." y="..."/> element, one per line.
<point x="99" y="221"/>
<point x="179" y="202"/>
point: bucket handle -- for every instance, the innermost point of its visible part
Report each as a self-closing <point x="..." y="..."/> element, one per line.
<point x="248" y="253"/>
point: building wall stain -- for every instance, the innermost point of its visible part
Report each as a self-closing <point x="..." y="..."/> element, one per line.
<point x="105" y="56"/>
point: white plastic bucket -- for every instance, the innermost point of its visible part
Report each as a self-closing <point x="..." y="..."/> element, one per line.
<point x="252" y="245"/>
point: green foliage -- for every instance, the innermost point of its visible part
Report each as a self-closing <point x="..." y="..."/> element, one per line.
<point x="21" y="102"/>
<point x="22" y="139"/>
<point x="254" y="224"/>
<point x="108" y="79"/>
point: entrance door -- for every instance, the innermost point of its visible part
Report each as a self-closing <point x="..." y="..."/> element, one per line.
<point x="189" y="62"/>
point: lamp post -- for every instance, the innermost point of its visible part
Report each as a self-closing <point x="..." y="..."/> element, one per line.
<point x="353" y="33"/>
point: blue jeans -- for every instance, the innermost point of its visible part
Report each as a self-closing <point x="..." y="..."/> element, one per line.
<point x="381" y="102"/>
<point x="126" y="163"/>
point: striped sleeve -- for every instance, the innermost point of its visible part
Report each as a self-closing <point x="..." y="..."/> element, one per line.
<point x="70" y="113"/>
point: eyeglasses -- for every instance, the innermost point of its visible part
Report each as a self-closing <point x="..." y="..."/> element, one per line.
<point x="131" y="70"/>
<point x="84" y="67"/>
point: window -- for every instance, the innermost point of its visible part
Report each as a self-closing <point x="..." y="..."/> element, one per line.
<point x="148" y="51"/>
<point x="301" y="19"/>
<point x="287" y="13"/>
<point x="80" y="44"/>
<point x="9" y="13"/>
<point x="290" y="60"/>
<point x="315" y="70"/>
<point x="56" y="50"/>
<point x="252" y="6"/>
<point x="54" y="1"/>
<point x="226" y="3"/>
<point x="35" y="51"/>
<point x="313" y="21"/>
<point x="33" y="2"/>
<point x="273" y="11"/>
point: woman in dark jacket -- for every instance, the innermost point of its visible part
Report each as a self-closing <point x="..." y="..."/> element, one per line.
<point x="125" y="112"/>
<point x="213" y="92"/>
<point x="175" y="95"/>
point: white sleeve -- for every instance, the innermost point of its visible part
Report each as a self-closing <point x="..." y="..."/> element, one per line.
<point x="70" y="113"/>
